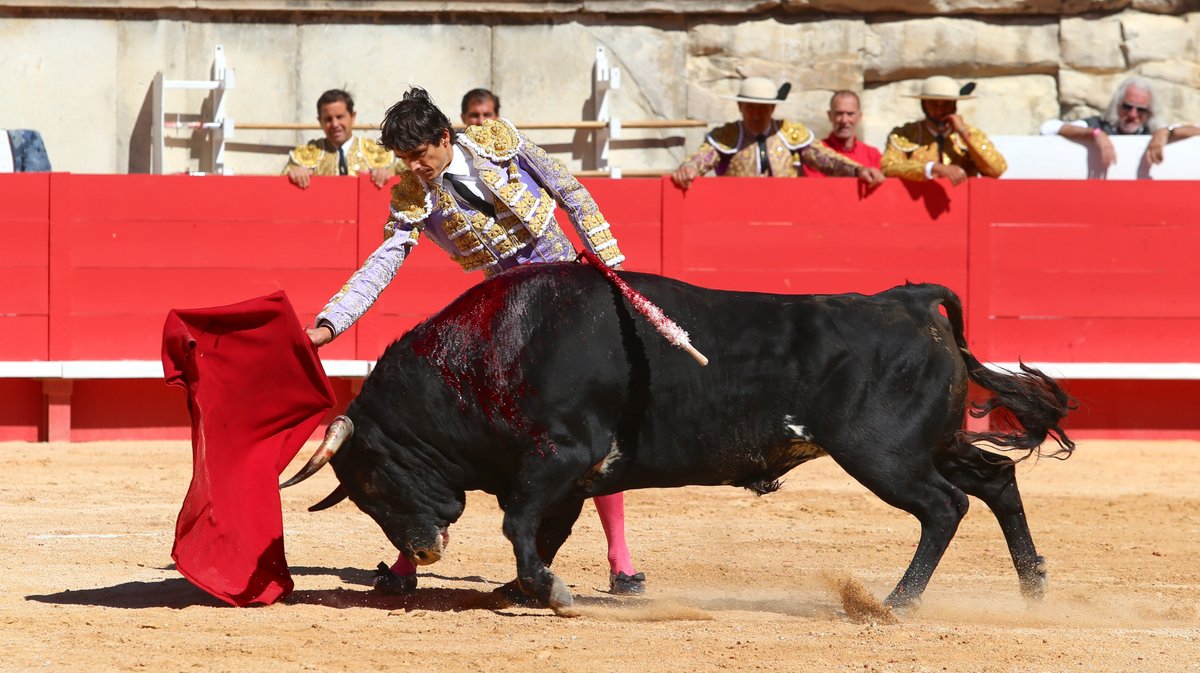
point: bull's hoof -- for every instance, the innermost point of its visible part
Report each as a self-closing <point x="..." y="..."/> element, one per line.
<point x="902" y="604"/>
<point x="560" y="597"/>
<point x="387" y="582"/>
<point x="1035" y="580"/>
<point x="515" y="595"/>
<point x="620" y="584"/>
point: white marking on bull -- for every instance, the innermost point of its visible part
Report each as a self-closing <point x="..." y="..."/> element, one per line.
<point x="613" y="455"/>
<point x="799" y="431"/>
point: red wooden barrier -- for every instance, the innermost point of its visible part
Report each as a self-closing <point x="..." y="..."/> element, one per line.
<point x="1049" y="271"/>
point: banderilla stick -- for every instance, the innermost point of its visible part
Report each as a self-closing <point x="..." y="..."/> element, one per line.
<point x="665" y="326"/>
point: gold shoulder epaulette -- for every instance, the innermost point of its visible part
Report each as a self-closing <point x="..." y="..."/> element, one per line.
<point x="377" y="155"/>
<point x="495" y="139"/>
<point x="795" y="135"/>
<point x="725" y="138"/>
<point x="307" y="155"/>
<point x="411" y="201"/>
<point x="906" y="138"/>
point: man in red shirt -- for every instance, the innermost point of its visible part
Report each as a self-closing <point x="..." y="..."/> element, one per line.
<point x="844" y="115"/>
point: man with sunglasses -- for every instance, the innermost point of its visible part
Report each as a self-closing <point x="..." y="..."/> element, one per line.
<point x="1130" y="112"/>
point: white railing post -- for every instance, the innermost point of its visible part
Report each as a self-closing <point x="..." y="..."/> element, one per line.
<point x="219" y="127"/>
<point x="605" y="79"/>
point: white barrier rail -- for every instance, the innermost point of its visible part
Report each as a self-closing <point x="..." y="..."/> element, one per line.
<point x="1056" y="158"/>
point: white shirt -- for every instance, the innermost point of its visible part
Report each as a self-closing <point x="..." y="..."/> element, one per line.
<point x="464" y="171"/>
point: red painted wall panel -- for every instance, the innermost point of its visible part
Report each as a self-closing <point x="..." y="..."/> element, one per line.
<point x="24" y="265"/>
<point x="1070" y="271"/>
<point x="815" y="237"/>
<point x="1085" y="271"/>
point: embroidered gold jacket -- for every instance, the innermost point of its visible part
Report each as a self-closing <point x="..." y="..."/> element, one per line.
<point x="733" y="151"/>
<point x="525" y="184"/>
<point x="321" y="157"/>
<point x="913" y="145"/>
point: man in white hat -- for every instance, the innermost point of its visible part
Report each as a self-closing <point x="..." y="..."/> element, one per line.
<point x="759" y="145"/>
<point x="941" y="144"/>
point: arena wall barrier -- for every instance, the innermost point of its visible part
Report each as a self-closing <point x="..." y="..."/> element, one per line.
<point x="1091" y="280"/>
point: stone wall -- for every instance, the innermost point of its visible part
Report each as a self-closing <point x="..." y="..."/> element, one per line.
<point x="81" y="71"/>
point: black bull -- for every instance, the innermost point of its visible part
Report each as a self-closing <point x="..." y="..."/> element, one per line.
<point x="541" y="386"/>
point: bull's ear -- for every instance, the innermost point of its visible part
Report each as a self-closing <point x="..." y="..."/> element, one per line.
<point x="338" y="495"/>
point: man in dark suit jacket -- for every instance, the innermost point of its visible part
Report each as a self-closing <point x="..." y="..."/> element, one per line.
<point x="28" y="154"/>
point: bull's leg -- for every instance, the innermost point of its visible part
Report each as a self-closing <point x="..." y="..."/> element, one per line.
<point x="556" y="528"/>
<point x="993" y="479"/>
<point x="538" y="515"/>
<point x="905" y="479"/>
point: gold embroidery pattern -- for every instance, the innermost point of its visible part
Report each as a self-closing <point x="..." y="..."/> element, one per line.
<point x="511" y="194"/>
<point x="496" y="139"/>
<point x="476" y="260"/>
<point x="725" y="138"/>
<point x="795" y="135"/>
<point x="608" y="254"/>
<point x="543" y="215"/>
<point x="411" y="202"/>
<point x="307" y="156"/>
<point x="522" y="236"/>
<point x="375" y="155"/>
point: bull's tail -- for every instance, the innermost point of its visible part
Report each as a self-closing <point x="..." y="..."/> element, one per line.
<point x="1026" y="406"/>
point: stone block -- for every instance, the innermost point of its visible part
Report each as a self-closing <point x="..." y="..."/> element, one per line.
<point x="1153" y="37"/>
<point x="915" y="48"/>
<point x="1092" y="43"/>
<point x="557" y="87"/>
<point x="817" y="58"/>
<point x="926" y="7"/>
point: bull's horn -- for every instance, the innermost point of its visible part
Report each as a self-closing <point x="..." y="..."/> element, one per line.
<point x="338" y="495"/>
<point x="338" y="431"/>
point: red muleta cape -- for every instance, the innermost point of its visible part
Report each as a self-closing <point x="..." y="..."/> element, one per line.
<point x="256" y="392"/>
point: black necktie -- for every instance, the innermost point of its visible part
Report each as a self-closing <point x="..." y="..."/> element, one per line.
<point x="343" y="169"/>
<point x="941" y="142"/>
<point x="477" y="202"/>
<point x="764" y="162"/>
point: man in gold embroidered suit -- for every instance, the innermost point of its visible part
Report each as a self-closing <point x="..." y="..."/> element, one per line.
<point x="760" y="146"/>
<point x="941" y="144"/>
<point x="486" y="196"/>
<point x="340" y="152"/>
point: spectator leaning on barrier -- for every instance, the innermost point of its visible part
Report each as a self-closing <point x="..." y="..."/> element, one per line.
<point x="340" y="152"/>
<point x="760" y="146"/>
<point x="1131" y="111"/>
<point x="486" y="196"/>
<point x="479" y="105"/>
<point x="23" y="152"/>
<point x="845" y="114"/>
<point x="941" y="144"/>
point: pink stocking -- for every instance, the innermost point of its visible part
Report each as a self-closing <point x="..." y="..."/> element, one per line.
<point x="611" y="509"/>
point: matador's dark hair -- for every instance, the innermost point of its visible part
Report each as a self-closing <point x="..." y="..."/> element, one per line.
<point x="333" y="96"/>
<point x="412" y="122"/>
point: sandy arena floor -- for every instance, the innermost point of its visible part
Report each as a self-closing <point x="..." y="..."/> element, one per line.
<point x="735" y="582"/>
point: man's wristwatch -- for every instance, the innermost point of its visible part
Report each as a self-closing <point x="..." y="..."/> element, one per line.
<point x="1171" y="131"/>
